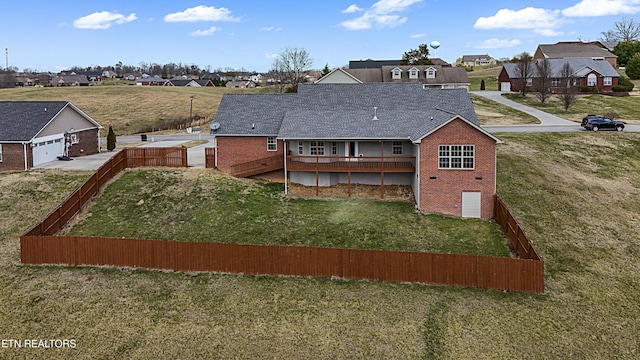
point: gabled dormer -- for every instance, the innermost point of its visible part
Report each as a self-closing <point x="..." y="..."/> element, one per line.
<point x="396" y="73"/>
<point x="430" y="72"/>
<point x="414" y="73"/>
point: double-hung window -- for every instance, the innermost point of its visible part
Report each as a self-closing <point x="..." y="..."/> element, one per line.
<point x="607" y="81"/>
<point x="317" y="147"/>
<point x="456" y="157"/>
<point x="397" y="148"/>
<point x="272" y="143"/>
<point x="300" y="148"/>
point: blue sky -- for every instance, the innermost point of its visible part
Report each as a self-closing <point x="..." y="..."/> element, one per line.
<point x="52" y="35"/>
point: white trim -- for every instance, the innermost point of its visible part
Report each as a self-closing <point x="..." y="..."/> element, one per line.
<point x="498" y="141"/>
<point x="274" y="143"/>
<point x="319" y="81"/>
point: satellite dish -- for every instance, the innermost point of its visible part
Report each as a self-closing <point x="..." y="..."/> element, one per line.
<point x="214" y="126"/>
<point x="435" y="45"/>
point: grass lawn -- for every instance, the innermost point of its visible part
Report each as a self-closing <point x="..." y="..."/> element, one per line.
<point x="197" y="205"/>
<point x="488" y="74"/>
<point x="576" y="194"/>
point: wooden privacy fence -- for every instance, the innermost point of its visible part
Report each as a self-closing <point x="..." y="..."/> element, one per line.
<point x="209" y="158"/>
<point x="39" y="245"/>
<point x="378" y="265"/>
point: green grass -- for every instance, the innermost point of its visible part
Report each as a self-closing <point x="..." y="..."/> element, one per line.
<point x="488" y="74"/>
<point x="625" y="107"/>
<point x="199" y="206"/>
<point x="577" y="196"/>
<point x="490" y="112"/>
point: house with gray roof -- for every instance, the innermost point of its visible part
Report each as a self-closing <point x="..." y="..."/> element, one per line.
<point x="430" y="76"/>
<point x="587" y="72"/>
<point x="374" y="134"/>
<point x="36" y="132"/>
<point x="575" y="49"/>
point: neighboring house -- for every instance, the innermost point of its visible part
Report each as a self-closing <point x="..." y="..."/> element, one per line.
<point x="587" y="72"/>
<point x="151" y="81"/>
<point x="478" y="60"/>
<point x="212" y="76"/>
<point x="374" y="134"/>
<point x="242" y="84"/>
<point x="36" y="132"/>
<point x="562" y="50"/>
<point x="70" y="80"/>
<point x="256" y="78"/>
<point x="193" y="83"/>
<point x="431" y="76"/>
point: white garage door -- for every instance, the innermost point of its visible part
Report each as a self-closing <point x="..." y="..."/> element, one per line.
<point x="505" y="87"/>
<point x="47" y="148"/>
<point x="471" y="205"/>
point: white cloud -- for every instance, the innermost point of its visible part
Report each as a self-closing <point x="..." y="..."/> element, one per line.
<point x="497" y="44"/>
<point x="542" y="21"/>
<point x="417" y="36"/>
<point x="271" y="56"/>
<point x="271" y="29"/>
<point x="207" y="32"/>
<point x="102" y="20"/>
<point x="201" y="13"/>
<point x="602" y="8"/>
<point x="380" y="15"/>
<point x="352" y="9"/>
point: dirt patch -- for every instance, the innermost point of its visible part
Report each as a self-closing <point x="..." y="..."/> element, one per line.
<point x="358" y="191"/>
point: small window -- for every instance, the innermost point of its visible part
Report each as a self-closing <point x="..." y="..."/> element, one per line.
<point x="317" y="147"/>
<point x="396" y="73"/>
<point x="413" y="73"/>
<point x="608" y="81"/>
<point x="529" y="82"/>
<point x="456" y="156"/>
<point x="334" y="148"/>
<point x="272" y="144"/>
<point x="397" y="148"/>
<point x="555" y="82"/>
<point x="300" y="148"/>
<point x="430" y="73"/>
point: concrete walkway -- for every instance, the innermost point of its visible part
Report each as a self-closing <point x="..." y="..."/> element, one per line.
<point x="545" y="118"/>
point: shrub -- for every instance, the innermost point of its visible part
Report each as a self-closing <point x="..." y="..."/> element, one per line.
<point x="612" y="115"/>
<point x="633" y="67"/>
<point x="619" y="88"/>
<point x="482" y="85"/>
<point x="624" y="81"/>
<point x="111" y="139"/>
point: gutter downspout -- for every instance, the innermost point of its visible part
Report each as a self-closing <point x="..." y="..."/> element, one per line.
<point x="26" y="161"/>
<point x="286" y="187"/>
<point x="215" y="152"/>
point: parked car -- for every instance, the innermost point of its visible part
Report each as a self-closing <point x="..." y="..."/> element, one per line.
<point x="595" y="123"/>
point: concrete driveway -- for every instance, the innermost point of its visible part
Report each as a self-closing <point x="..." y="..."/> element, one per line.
<point x="545" y="118"/>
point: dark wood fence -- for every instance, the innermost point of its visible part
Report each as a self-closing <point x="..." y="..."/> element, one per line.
<point x="40" y="246"/>
<point x="415" y="267"/>
<point x="166" y="157"/>
<point x="209" y="158"/>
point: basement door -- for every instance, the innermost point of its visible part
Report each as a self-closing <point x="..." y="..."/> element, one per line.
<point x="471" y="207"/>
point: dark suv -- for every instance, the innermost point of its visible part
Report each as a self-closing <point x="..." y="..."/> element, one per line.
<point x="597" y="122"/>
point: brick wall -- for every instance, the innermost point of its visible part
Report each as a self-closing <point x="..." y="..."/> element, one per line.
<point x="441" y="190"/>
<point x="237" y="150"/>
<point x="13" y="157"/>
<point x="87" y="145"/>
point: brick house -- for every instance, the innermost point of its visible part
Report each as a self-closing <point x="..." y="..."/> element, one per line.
<point x="373" y="134"/>
<point x="36" y="132"/>
<point x="587" y="72"/>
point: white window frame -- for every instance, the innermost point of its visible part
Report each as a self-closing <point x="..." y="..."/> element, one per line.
<point x="607" y="81"/>
<point x="272" y="143"/>
<point x="396" y="73"/>
<point x="529" y="82"/>
<point x="334" y="148"/>
<point x="430" y="73"/>
<point x="592" y="80"/>
<point x="300" y="148"/>
<point x="316" y="148"/>
<point x="414" y="73"/>
<point x="456" y="157"/>
<point x="397" y="148"/>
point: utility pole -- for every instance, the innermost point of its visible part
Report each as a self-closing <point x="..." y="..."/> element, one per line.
<point x="6" y="50"/>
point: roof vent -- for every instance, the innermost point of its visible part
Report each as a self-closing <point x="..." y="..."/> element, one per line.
<point x="253" y="126"/>
<point x="375" y="113"/>
<point x="45" y="109"/>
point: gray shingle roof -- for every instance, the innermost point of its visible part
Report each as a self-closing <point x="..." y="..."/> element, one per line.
<point x="23" y="120"/>
<point x="602" y="67"/>
<point x="404" y="110"/>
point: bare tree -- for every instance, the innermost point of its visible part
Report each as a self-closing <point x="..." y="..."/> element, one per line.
<point x="543" y="70"/>
<point x="524" y="68"/>
<point x="290" y="66"/>
<point x="625" y="30"/>
<point x="567" y="87"/>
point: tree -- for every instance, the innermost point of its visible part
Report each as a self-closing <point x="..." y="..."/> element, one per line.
<point x="325" y="70"/>
<point x="567" y="89"/>
<point x="290" y="66"/>
<point x="625" y="30"/>
<point x="625" y="50"/>
<point x="482" y="86"/>
<point x="111" y="139"/>
<point x="633" y="67"/>
<point x="524" y="70"/>
<point x="419" y="56"/>
<point x="543" y="69"/>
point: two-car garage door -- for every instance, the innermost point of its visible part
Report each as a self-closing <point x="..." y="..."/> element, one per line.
<point x="47" y="148"/>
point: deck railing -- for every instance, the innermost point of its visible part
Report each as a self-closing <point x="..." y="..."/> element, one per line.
<point x="352" y="163"/>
